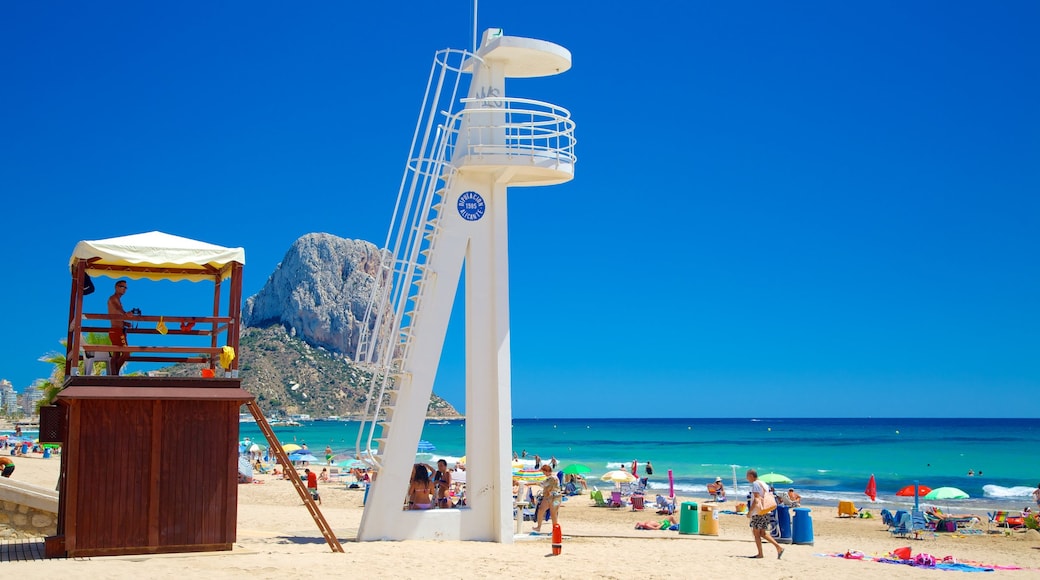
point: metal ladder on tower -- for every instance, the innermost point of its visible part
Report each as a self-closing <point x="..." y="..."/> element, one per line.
<point x="406" y="269"/>
<point x="294" y="477"/>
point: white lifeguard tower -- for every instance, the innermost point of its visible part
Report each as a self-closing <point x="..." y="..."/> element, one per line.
<point x="451" y="211"/>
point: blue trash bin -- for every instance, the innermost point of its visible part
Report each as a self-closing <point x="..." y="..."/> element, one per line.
<point x="783" y="517"/>
<point x="801" y="526"/>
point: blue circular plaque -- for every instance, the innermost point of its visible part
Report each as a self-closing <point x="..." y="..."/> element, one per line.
<point x="471" y="206"/>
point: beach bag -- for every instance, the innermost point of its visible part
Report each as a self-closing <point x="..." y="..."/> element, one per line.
<point x="767" y="503"/>
<point x="925" y="560"/>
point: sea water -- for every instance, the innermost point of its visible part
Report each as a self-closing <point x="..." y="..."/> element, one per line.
<point x="827" y="459"/>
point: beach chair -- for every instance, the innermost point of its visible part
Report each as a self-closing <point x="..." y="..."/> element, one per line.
<point x="887" y="518"/>
<point x="665" y="506"/>
<point x="637" y="501"/>
<point x="919" y="525"/>
<point x="615" y="499"/>
<point x="902" y="527"/>
<point x="597" y="497"/>
<point x="634" y="487"/>
<point x="847" y="508"/>
<point x="999" y="519"/>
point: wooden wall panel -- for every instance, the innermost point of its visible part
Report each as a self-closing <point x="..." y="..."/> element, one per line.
<point x="114" y="469"/>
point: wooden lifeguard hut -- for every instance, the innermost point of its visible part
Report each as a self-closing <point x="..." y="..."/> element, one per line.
<point x="150" y="464"/>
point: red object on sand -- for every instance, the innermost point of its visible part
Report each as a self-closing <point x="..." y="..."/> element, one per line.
<point x="871" y="488"/>
<point x="557" y="540"/>
<point x="635" y="466"/>
<point x="908" y="491"/>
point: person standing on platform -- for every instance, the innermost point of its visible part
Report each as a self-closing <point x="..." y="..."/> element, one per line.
<point x="118" y="333"/>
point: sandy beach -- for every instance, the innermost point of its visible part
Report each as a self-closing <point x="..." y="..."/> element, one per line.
<point x="277" y="537"/>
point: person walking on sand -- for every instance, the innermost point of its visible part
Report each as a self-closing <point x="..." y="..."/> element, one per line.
<point x="760" y="521"/>
<point x="551" y="499"/>
<point x="1036" y="495"/>
<point x="312" y="485"/>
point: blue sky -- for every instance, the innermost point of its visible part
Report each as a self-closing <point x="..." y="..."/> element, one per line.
<point x="779" y="209"/>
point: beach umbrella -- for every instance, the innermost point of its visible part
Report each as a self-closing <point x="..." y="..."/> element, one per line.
<point x="462" y="460"/>
<point x="291" y="447"/>
<point x="871" y="490"/>
<point x="618" y="476"/>
<point x="302" y="457"/>
<point x="425" y="447"/>
<point x="517" y="464"/>
<point x="908" y="491"/>
<point x="773" y="478"/>
<point x="576" y="468"/>
<point x="946" y="493"/>
<point x="529" y="475"/>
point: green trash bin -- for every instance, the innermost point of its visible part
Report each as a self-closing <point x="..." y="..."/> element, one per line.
<point x="688" y="517"/>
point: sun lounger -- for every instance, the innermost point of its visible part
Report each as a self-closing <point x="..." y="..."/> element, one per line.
<point x="902" y="527"/>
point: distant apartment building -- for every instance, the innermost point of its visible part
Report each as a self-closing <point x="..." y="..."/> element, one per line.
<point x="29" y="399"/>
<point x="8" y="398"/>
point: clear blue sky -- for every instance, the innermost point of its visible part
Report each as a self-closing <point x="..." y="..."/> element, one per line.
<point x="779" y="209"/>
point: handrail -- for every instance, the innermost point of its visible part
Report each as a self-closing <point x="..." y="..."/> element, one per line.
<point x="532" y="131"/>
<point x="407" y="236"/>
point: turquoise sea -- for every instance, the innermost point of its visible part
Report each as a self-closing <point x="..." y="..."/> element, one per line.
<point x="828" y="459"/>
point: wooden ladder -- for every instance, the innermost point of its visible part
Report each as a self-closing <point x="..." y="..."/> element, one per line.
<point x="294" y="477"/>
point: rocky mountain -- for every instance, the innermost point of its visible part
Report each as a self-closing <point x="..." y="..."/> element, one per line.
<point x="319" y="292"/>
<point x="303" y="326"/>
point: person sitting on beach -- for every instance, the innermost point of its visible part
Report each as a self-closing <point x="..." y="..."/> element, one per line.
<point x="442" y="483"/>
<point x="717" y="490"/>
<point x="7" y="464"/>
<point x="664" y="524"/>
<point x="420" y="490"/>
<point x="324" y="476"/>
<point x="793" y="499"/>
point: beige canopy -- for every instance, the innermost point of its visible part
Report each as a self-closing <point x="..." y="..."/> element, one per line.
<point x="157" y="256"/>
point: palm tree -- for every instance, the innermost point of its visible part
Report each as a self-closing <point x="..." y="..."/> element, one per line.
<point x="52" y="385"/>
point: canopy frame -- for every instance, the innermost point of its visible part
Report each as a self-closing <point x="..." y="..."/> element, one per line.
<point x="158" y="256"/>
